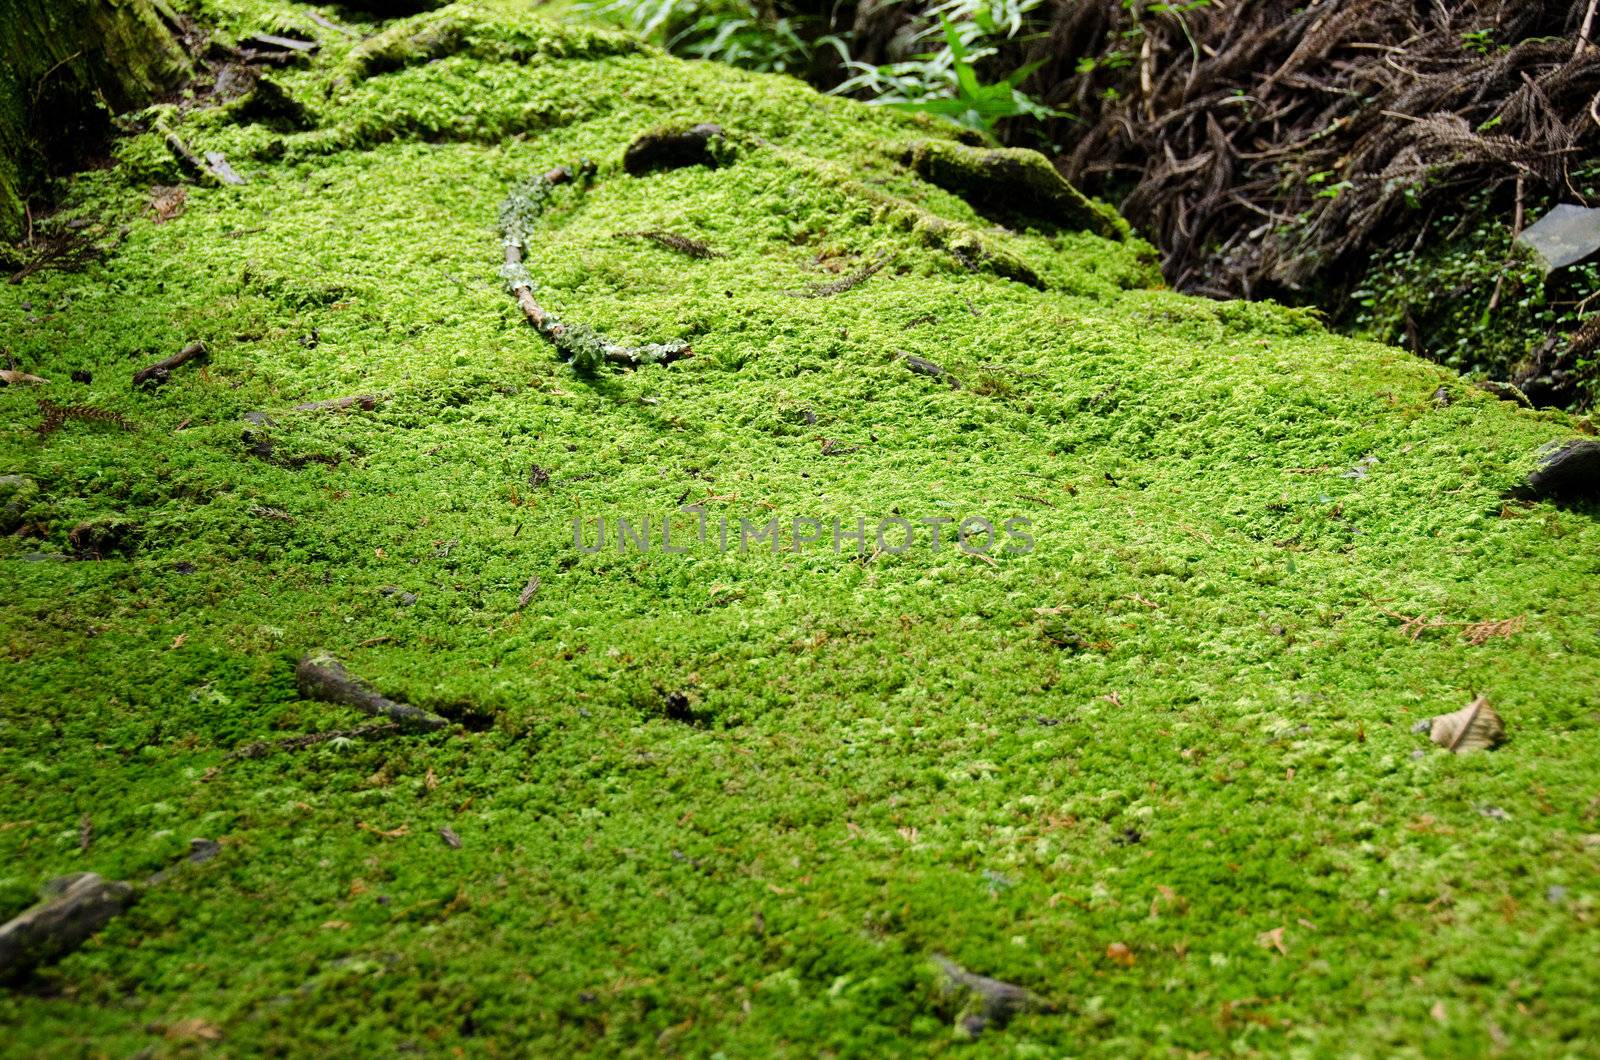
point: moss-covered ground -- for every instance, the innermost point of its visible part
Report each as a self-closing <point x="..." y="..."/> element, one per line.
<point x="1160" y="770"/>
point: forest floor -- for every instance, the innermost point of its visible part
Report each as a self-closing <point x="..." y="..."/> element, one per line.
<point x="1159" y="769"/>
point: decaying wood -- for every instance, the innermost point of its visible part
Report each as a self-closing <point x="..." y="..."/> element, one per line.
<point x="1567" y="471"/>
<point x="922" y="366"/>
<point x="73" y="909"/>
<point x="14" y="378"/>
<point x="156" y="374"/>
<point x="321" y="676"/>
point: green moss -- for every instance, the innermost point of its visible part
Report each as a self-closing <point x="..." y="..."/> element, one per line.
<point x="735" y="803"/>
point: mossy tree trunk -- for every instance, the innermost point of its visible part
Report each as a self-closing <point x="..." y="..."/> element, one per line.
<point x="65" y="67"/>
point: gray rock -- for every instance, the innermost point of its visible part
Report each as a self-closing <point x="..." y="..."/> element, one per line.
<point x="991" y="1003"/>
<point x="1565" y="236"/>
<point x="1567" y="470"/>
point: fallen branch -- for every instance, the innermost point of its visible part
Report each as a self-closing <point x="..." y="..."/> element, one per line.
<point x="856" y="279"/>
<point x="321" y="676"/>
<point x="156" y="374"/>
<point x="218" y="164"/>
<point x="73" y="908"/>
<point x="694" y="248"/>
<point x="581" y="346"/>
<point x="196" y="165"/>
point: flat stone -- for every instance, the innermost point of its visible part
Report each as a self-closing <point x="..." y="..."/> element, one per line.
<point x="1565" y="236"/>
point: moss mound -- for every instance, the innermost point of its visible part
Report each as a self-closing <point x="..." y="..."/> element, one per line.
<point x="1145" y="752"/>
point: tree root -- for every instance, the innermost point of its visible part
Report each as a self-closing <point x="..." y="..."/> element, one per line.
<point x="1011" y="181"/>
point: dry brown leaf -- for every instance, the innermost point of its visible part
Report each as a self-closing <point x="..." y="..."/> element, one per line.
<point x="1121" y="954"/>
<point x="1475" y="727"/>
<point x="393" y="833"/>
<point x="167" y="203"/>
<point x="1273" y="940"/>
<point x="194" y="1030"/>
<point x="15" y="378"/>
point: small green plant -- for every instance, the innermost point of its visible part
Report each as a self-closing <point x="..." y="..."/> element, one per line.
<point x="1468" y="295"/>
<point x="946" y="82"/>
<point x="737" y="32"/>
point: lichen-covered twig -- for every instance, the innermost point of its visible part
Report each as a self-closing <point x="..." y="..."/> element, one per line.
<point x="321" y="676"/>
<point x="581" y="346"/>
<point x="156" y="374"/>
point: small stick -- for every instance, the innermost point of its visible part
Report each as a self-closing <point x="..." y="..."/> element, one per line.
<point x="1588" y="24"/>
<point x="328" y="23"/>
<point x="321" y="676"/>
<point x="157" y="373"/>
<point x="365" y="402"/>
<point x="218" y="164"/>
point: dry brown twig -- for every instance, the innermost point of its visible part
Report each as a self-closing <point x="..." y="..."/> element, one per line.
<point x="1473" y="632"/>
